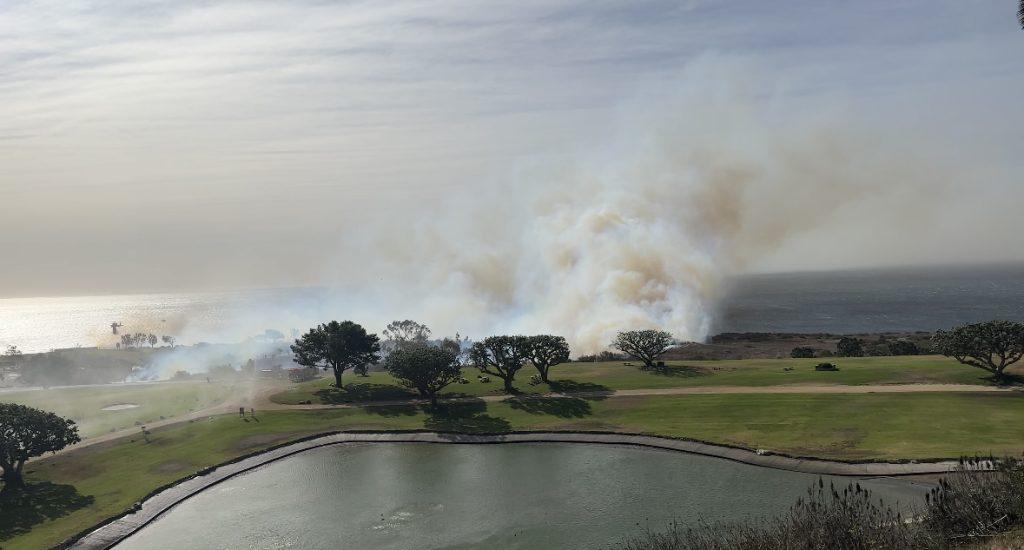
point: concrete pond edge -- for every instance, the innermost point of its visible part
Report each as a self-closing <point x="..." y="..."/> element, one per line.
<point x="115" y="529"/>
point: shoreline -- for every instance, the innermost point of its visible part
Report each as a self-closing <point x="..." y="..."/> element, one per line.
<point x="114" y="530"/>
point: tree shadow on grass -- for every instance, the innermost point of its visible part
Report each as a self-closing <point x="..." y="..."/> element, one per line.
<point x="564" y="407"/>
<point x="1007" y="380"/>
<point x="465" y="416"/>
<point x="392" y="410"/>
<point x="593" y="391"/>
<point x="677" y="371"/>
<point x="22" y="509"/>
<point x="358" y="391"/>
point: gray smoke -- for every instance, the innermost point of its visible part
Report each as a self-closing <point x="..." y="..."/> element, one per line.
<point x="640" y="232"/>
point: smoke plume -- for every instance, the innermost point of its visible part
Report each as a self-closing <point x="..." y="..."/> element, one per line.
<point x="637" y="232"/>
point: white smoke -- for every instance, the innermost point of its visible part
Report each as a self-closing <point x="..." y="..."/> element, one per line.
<point x="638" y="233"/>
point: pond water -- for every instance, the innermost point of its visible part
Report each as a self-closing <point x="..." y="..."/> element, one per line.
<point x="524" y="495"/>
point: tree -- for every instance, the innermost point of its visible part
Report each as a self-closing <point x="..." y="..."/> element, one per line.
<point x="644" y="345"/>
<point x="407" y="333"/>
<point x="990" y="346"/>
<point x="169" y="340"/>
<point x="337" y="346"/>
<point x="151" y="338"/>
<point x="501" y="356"/>
<point x="802" y="353"/>
<point x="11" y="357"/>
<point x="426" y="369"/>
<point x="547" y="351"/>
<point x="850" y="347"/>
<point x="26" y="432"/>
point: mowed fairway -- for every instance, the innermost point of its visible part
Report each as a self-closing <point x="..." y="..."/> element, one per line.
<point x="155" y="402"/>
<point x="111" y="476"/>
<point x="605" y="376"/>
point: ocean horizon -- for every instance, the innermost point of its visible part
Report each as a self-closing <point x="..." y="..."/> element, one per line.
<point x="849" y="301"/>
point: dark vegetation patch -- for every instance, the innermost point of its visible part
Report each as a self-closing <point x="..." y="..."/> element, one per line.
<point x="465" y="416"/>
<point x="564" y="407"/>
<point x="22" y="509"/>
<point x="357" y="391"/>
<point x="777" y="345"/>
<point x="967" y="509"/>
<point x="258" y="441"/>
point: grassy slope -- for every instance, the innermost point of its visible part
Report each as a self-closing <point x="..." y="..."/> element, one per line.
<point x="83" y="405"/>
<point x="913" y="425"/>
<point x="616" y="375"/>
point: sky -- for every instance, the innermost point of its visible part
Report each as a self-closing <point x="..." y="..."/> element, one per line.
<point x="186" y="145"/>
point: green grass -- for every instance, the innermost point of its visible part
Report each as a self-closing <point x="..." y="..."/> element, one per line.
<point x="845" y="426"/>
<point x="162" y="400"/>
<point x="619" y="376"/>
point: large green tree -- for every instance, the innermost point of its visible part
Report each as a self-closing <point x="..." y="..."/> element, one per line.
<point x="644" y="345"/>
<point x="501" y="356"/>
<point x="26" y="432"/>
<point x="337" y="346"/>
<point x="547" y="351"/>
<point x="990" y="346"/>
<point x="426" y="369"/>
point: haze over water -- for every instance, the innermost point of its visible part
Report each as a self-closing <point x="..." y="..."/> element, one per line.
<point x="837" y="302"/>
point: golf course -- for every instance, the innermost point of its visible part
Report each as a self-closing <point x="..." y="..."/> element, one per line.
<point x="897" y="409"/>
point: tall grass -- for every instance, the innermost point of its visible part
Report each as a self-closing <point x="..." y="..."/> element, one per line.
<point x="970" y="504"/>
<point x="980" y="499"/>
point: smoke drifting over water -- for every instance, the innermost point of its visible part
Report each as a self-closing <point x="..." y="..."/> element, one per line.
<point x="639" y="233"/>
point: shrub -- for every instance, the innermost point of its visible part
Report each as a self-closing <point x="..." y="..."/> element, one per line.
<point x="850" y="347"/>
<point x="903" y="347"/>
<point x="969" y="504"/>
<point x="879" y="350"/>
<point x="827" y="518"/>
<point x="802" y="353"/>
<point x="826" y="367"/>
<point x="981" y="499"/>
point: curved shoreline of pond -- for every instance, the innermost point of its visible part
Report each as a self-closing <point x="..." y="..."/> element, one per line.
<point x="116" y="529"/>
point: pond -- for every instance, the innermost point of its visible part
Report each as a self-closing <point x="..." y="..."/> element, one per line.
<point x="523" y="495"/>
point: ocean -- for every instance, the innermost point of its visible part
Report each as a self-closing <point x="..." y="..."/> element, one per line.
<point x="917" y="299"/>
<point x="883" y="300"/>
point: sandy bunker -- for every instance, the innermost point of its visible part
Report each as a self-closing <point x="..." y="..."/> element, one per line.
<point x="120" y="406"/>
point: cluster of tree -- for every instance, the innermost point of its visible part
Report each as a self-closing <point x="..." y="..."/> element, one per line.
<point x="421" y="363"/>
<point x="139" y="339"/>
<point x="504" y="356"/>
<point x="849" y="346"/>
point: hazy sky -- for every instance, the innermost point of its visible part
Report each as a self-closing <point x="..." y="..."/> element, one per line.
<point x="163" y="145"/>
